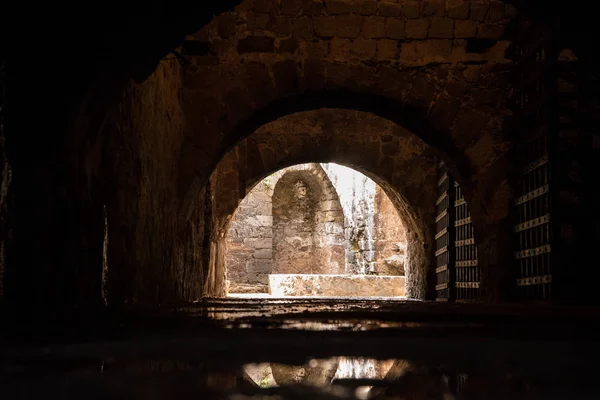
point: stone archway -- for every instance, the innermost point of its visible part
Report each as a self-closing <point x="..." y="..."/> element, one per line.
<point x="402" y="164"/>
<point x="132" y="47"/>
<point x="276" y="229"/>
<point x="308" y="225"/>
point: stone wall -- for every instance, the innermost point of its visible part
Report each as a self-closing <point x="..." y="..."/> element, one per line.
<point x="436" y="68"/>
<point x="153" y="256"/>
<point x="249" y="252"/>
<point x="443" y="61"/>
<point x="395" y="159"/>
<point x="373" y="230"/>
<point x="390" y="237"/>
<point x="290" y="222"/>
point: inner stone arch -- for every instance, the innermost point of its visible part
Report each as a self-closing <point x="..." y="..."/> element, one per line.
<point x="308" y="224"/>
<point x="316" y="229"/>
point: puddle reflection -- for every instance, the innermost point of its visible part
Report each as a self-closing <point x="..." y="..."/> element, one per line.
<point x="350" y="378"/>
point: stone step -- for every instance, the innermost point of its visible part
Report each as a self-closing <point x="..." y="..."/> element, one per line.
<point x="336" y="285"/>
<point x="233" y="287"/>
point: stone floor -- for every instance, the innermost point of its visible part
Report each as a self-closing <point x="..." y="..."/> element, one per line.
<point x="203" y="350"/>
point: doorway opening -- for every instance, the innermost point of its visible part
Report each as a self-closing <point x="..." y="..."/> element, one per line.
<point x="316" y="230"/>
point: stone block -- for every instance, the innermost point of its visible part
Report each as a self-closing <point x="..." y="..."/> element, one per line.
<point x="395" y="28"/>
<point x="425" y="52"/>
<point x="434" y="8"/>
<point x="265" y="208"/>
<point x="330" y="216"/>
<point x="302" y="28"/>
<point x="249" y="223"/>
<point x="261" y="232"/>
<point x="330" y="205"/>
<point x="287" y="46"/>
<point x="282" y="285"/>
<point x="258" y="278"/>
<point x="280" y="25"/>
<point x="313" y="7"/>
<point x="479" y="11"/>
<point x="364" y="7"/>
<point x="263" y="254"/>
<point x="390" y="9"/>
<point x="324" y="27"/>
<point x="417" y="29"/>
<point x="259" y="266"/>
<point x="266" y="6"/>
<point x="235" y="287"/>
<point x="373" y="28"/>
<point x="387" y="49"/>
<point x="334" y="228"/>
<point x="412" y="10"/>
<point x="336" y="7"/>
<point x="347" y="26"/>
<point x="457" y="9"/>
<point x="226" y="26"/>
<point x="363" y="48"/>
<point x="264" y="220"/>
<point x="318" y="48"/>
<point x="465" y="29"/>
<point x="441" y="28"/>
<point x="486" y="31"/>
<point x="266" y="243"/>
<point x="258" y="20"/>
<point x="333" y="240"/>
<point x="256" y="44"/>
<point x="291" y="7"/>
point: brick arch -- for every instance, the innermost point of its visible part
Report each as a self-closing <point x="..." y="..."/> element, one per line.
<point x="398" y="161"/>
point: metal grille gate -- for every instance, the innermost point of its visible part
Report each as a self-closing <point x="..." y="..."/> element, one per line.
<point x="457" y="270"/>
<point x="531" y="106"/>
<point x="444" y="236"/>
<point x="467" y="269"/>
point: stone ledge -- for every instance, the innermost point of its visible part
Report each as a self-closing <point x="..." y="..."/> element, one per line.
<point x="233" y="287"/>
<point x="336" y="285"/>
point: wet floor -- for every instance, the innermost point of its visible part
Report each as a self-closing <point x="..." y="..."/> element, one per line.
<point x="319" y="348"/>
